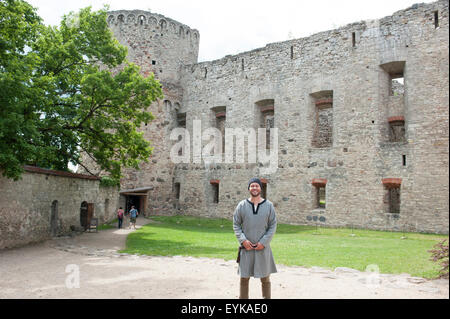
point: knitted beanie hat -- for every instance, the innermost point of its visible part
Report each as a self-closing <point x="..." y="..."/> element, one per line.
<point x="255" y="180"/>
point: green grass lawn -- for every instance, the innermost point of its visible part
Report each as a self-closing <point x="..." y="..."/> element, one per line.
<point x="291" y="245"/>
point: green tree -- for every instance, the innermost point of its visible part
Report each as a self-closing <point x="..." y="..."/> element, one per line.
<point x="66" y="90"/>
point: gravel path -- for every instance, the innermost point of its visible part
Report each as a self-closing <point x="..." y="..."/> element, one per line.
<point x="89" y="266"/>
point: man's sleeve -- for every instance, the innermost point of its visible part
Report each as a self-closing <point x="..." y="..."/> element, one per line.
<point x="237" y="225"/>
<point x="272" y="227"/>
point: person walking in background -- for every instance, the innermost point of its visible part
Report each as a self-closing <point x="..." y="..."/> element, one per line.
<point x="120" y="216"/>
<point x="254" y="224"/>
<point x="133" y="214"/>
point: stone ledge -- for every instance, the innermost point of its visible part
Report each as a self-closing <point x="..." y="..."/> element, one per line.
<point x="319" y="182"/>
<point x="392" y="182"/>
<point x="399" y="118"/>
<point x="321" y="102"/>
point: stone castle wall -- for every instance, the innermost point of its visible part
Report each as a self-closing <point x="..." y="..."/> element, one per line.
<point x="27" y="205"/>
<point x="344" y="122"/>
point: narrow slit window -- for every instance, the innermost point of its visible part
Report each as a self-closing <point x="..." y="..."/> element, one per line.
<point x="242" y="64"/>
<point x="266" y="117"/>
<point x="404" y="160"/>
<point x="436" y="19"/>
<point x="215" y="193"/>
<point x="292" y="52"/>
<point x="269" y="124"/>
<point x="177" y="190"/>
<point x="220" y="119"/>
<point x="353" y="39"/>
<point x="180" y="150"/>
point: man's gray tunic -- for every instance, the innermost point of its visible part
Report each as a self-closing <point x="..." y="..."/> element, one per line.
<point x="259" y="227"/>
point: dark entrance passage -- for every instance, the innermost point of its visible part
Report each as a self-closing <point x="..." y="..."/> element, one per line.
<point x="133" y="201"/>
<point x="136" y="197"/>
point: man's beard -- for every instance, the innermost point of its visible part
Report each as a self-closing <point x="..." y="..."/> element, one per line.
<point x="251" y="193"/>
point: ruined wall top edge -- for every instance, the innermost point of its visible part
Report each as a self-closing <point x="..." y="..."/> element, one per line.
<point x="345" y="31"/>
<point x="142" y="18"/>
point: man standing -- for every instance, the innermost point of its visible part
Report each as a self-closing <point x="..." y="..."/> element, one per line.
<point x="254" y="224"/>
<point x="133" y="215"/>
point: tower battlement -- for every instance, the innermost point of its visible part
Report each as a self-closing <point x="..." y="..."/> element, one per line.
<point x="154" y="22"/>
<point x="156" y="43"/>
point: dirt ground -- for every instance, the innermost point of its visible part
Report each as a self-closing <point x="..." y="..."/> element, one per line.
<point x="89" y="266"/>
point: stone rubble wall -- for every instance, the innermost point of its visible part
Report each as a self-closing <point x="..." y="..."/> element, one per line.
<point x="26" y="206"/>
<point x="361" y="154"/>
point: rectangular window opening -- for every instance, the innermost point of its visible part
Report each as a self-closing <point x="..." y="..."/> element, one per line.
<point x="436" y="19"/>
<point x="266" y="117"/>
<point x="323" y="122"/>
<point x="397" y="131"/>
<point x="320" y="197"/>
<point x="394" y="200"/>
<point x="395" y="77"/>
<point x="353" y="39"/>
<point x="404" y="160"/>
<point x="181" y="120"/>
<point x="153" y="62"/>
<point x="397" y="85"/>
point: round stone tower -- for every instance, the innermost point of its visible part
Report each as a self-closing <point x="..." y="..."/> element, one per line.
<point x="156" y="43"/>
<point x="161" y="46"/>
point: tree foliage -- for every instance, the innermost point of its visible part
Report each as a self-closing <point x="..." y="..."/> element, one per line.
<point x="59" y="96"/>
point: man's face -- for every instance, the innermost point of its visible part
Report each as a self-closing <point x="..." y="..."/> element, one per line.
<point x="255" y="189"/>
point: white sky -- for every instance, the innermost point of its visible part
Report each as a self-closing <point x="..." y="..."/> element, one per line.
<point x="234" y="26"/>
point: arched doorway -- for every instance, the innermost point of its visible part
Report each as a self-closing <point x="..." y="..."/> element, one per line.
<point x="54" y="219"/>
<point x="84" y="215"/>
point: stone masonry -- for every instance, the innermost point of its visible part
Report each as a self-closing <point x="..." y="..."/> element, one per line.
<point x="46" y="203"/>
<point x="361" y="113"/>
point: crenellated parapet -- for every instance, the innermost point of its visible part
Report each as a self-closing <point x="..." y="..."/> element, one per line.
<point x="158" y="44"/>
<point x="153" y="22"/>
